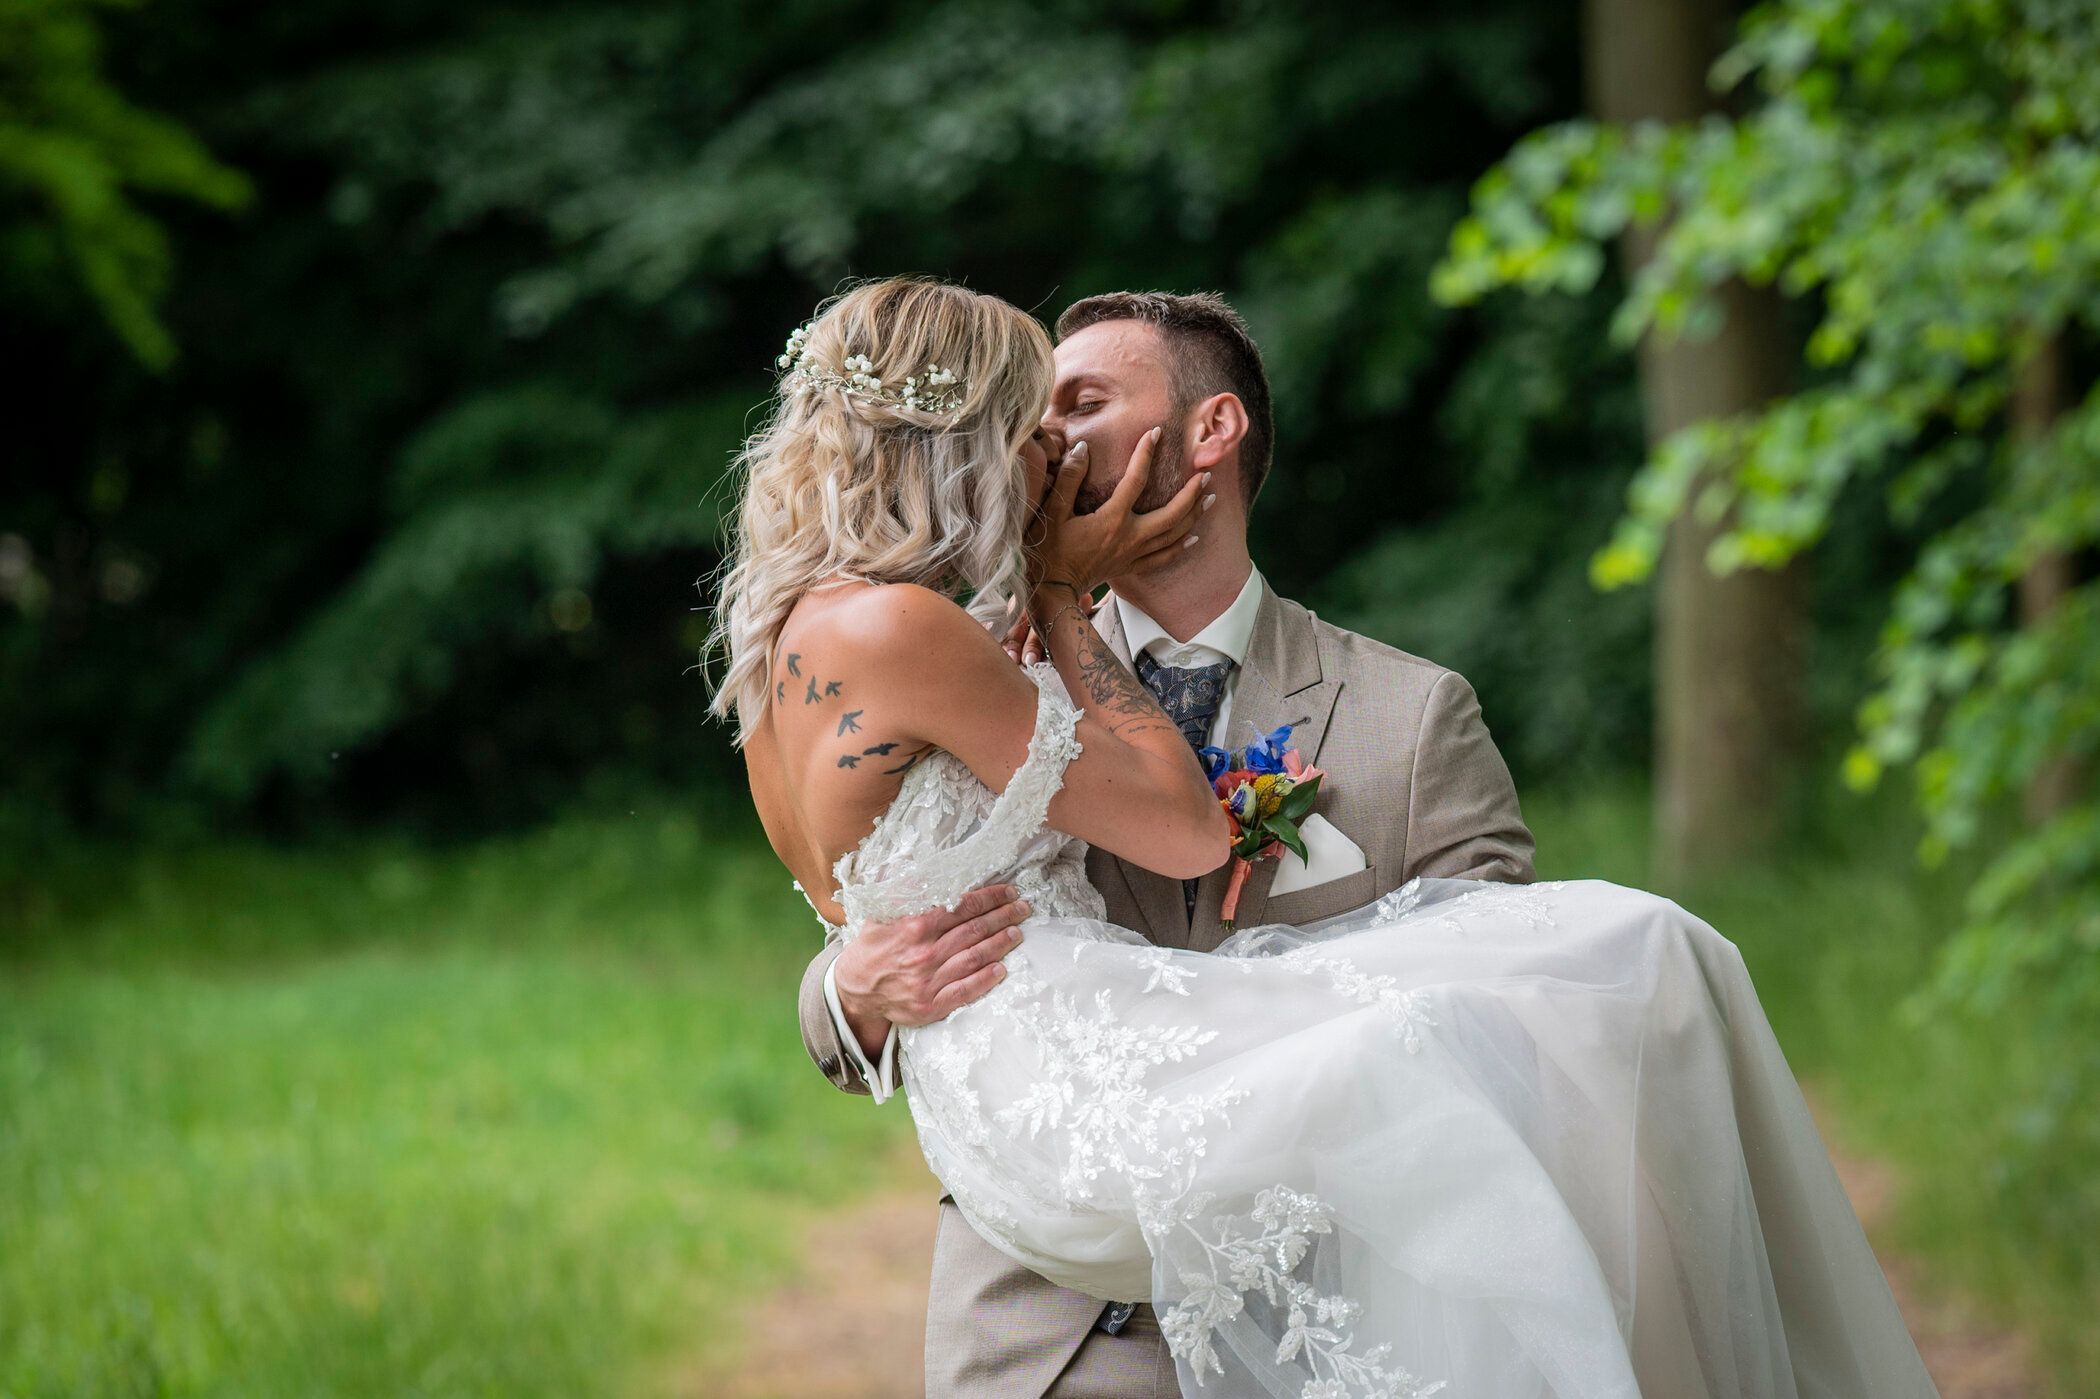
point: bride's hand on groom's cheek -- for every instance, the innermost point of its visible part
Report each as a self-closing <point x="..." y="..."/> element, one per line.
<point x="1085" y="551"/>
<point x="1081" y="552"/>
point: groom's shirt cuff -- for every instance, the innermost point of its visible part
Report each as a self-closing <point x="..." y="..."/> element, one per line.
<point x="881" y="1077"/>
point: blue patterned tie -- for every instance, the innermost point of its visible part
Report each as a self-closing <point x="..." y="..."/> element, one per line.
<point x="1191" y="696"/>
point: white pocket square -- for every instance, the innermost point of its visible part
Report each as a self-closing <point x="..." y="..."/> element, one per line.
<point x="1329" y="856"/>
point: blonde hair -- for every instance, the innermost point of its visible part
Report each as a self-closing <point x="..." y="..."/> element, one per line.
<point x="838" y="483"/>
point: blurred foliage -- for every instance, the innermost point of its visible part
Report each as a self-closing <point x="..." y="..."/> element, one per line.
<point x="411" y="529"/>
<point x="1924" y="172"/>
<point x="1494" y="585"/>
<point x="74" y="159"/>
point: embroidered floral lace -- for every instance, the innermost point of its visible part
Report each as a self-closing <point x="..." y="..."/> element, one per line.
<point x="1481" y="1140"/>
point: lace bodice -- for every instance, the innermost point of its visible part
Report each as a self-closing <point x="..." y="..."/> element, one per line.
<point x="946" y="833"/>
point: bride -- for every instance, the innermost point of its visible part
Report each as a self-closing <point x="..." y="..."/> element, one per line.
<point x="1478" y="1140"/>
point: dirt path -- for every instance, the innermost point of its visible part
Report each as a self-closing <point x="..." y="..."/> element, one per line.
<point x="853" y="1327"/>
<point x="1968" y="1357"/>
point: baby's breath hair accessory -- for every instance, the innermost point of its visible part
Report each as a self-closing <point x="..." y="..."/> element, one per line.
<point x="938" y="390"/>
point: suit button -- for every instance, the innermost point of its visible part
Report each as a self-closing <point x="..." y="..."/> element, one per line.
<point x="829" y="1063"/>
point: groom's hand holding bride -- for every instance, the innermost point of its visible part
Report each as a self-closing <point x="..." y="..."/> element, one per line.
<point x="914" y="971"/>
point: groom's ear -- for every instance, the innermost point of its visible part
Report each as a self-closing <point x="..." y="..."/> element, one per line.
<point x="1218" y="425"/>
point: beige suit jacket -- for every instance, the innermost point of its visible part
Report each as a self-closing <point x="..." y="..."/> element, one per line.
<point x="1413" y="778"/>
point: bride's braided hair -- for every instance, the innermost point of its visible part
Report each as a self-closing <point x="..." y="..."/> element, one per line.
<point x="876" y="483"/>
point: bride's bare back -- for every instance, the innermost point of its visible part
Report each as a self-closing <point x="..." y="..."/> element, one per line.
<point x="868" y="680"/>
<point x="821" y="774"/>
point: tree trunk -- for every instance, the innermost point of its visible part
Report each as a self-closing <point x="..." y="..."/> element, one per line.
<point x="1729" y="651"/>
<point x="2037" y="399"/>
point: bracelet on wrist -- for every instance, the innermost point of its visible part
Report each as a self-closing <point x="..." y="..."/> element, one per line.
<point x="1057" y="616"/>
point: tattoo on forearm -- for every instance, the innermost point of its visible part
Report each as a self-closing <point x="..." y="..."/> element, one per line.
<point x="1120" y="698"/>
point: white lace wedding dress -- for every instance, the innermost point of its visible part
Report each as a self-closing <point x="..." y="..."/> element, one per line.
<point x="1476" y="1140"/>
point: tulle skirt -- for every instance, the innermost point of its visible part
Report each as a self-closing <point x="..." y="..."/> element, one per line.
<point x="1480" y="1140"/>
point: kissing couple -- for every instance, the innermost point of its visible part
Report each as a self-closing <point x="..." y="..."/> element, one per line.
<point x="1203" y="936"/>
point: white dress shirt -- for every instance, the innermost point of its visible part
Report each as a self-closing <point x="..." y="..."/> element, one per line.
<point x="1225" y="638"/>
<point x="881" y="1077"/>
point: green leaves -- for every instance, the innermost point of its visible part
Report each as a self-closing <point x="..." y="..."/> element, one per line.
<point x="75" y="158"/>
<point x="1299" y="804"/>
<point x="1286" y="830"/>
<point x="518" y="493"/>
<point x="1923" y="173"/>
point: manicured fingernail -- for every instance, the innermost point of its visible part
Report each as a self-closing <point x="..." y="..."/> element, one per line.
<point x="1190" y="542"/>
<point x="1157" y="431"/>
<point x="1206" y="478"/>
<point x="1209" y="501"/>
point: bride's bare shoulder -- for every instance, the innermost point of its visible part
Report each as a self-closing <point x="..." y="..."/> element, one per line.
<point x="880" y="626"/>
<point x="894" y="655"/>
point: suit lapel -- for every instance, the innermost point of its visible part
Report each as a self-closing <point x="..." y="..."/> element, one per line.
<point x="1281" y="682"/>
<point x="1156" y="896"/>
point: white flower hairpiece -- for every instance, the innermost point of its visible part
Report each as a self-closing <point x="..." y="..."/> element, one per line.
<point x="938" y="390"/>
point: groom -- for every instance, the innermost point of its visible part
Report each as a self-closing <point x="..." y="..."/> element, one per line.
<point x="1415" y="786"/>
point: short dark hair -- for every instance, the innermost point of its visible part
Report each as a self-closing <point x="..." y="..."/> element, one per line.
<point x="1209" y="350"/>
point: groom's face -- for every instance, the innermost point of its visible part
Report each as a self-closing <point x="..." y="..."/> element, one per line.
<point x="1113" y="386"/>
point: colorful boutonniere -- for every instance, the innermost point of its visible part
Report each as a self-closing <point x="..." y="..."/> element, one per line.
<point x="1267" y="789"/>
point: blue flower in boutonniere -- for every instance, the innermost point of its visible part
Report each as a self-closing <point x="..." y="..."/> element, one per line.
<point x="1265" y="754"/>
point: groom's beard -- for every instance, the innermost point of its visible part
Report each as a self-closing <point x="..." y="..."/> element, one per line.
<point x="1169" y="470"/>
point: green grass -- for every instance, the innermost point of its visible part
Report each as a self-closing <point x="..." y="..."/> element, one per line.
<point x="522" y="1119"/>
<point x="530" y="1117"/>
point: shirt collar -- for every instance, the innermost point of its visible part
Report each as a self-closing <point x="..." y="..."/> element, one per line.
<point x="1229" y="634"/>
